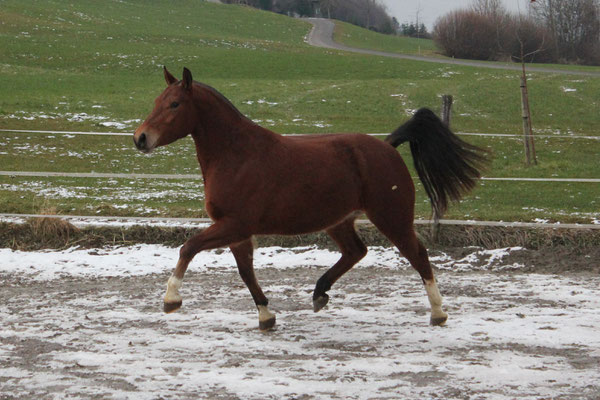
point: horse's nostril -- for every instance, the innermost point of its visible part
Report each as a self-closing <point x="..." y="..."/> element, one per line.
<point x="141" y="142"/>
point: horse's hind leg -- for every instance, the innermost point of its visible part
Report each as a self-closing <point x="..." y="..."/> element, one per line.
<point x="405" y="239"/>
<point x="352" y="248"/>
<point x="415" y="252"/>
<point x="243" y="252"/>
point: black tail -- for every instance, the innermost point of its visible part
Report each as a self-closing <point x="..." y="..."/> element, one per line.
<point x="447" y="166"/>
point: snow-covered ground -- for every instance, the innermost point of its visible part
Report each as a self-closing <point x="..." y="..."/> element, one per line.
<point x="84" y="323"/>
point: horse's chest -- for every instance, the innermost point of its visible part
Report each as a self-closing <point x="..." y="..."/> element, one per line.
<point x="221" y="198"/>
<point x="214" y="211"/>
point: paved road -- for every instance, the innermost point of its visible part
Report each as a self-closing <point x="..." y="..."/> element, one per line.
<point x="322" y="36"/>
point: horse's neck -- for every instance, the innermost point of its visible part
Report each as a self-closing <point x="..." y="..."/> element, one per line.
<point x="228" y="137"/>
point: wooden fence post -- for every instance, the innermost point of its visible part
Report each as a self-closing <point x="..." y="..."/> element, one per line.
<point x="446" y="114"/>
<point x="446" y="108"/>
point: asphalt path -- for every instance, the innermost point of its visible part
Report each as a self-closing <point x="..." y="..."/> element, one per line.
<point x="321" y="35"/>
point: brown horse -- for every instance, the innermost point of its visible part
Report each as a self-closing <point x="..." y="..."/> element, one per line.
<point x="257" y="182"/>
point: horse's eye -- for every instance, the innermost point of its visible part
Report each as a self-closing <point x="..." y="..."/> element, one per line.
<point x="174" y="104"/>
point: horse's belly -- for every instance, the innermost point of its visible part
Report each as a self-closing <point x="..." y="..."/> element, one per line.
<point x="310" y="214"/>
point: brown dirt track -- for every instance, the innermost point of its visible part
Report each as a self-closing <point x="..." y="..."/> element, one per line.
<point x="521" y="326"/>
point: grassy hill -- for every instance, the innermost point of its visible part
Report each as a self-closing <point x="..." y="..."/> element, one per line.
<point x="91" y="65"/>
<point x="109" y="53"/>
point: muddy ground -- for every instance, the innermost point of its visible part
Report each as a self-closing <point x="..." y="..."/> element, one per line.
<point x="511" y="334"/>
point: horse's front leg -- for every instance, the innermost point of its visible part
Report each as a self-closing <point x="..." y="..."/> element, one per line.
<point x="221" y="234"/>
<point x="243" y="252"/>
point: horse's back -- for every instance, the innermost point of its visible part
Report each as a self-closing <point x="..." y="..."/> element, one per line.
<point x="372" y="157"/>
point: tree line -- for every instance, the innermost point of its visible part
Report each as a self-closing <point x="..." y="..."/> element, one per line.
<point x="551" y="31"/>
<point x="368" y="14"/>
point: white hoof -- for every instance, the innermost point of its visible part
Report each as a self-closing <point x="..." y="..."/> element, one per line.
<point x="266" y="319"/>
<point x="439" y="319"/>
<point x="172" y="300"/>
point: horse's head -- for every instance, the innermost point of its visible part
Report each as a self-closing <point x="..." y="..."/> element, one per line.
<point x="171" y="118"/>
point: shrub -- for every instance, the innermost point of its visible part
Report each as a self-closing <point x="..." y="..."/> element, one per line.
<point x="554" y="31"/>
<point x="467" y="34"/>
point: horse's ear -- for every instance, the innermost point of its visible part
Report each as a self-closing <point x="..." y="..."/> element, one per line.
<point x="168" y="77"/>
<point x="187" y="79"/>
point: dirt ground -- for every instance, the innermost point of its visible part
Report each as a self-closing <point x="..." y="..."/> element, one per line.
<point x="510" y="335"/>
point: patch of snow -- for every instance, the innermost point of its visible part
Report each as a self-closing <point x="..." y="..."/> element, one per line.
<point x="270" y="103"/>
<point x="448" y="74"/>
<point x="73" y="117"/>
<point x="134" y="260"/>
<point x="116" y="125"/>
<point x="483" y="260"/>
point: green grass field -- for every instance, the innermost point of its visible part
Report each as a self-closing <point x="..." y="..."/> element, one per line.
<point x="96" y="66"/>
<point x="354" y="36"/>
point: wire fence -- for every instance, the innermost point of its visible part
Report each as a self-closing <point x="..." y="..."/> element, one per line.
<point x="81" y="220"/>
<point x="507" y="135"/>
<point x="100" y="175"/>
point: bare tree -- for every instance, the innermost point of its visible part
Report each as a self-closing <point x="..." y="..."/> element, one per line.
<point x="493" y="8"/>
<point x="419" y="9"/>
<point x="327" y="5"/>
<point x="574" y="25"/>
<point x="528" y="141"/>
<point x="369" y="14"/>
<point x="366" y="13"/>
<point x="369" y="5"/>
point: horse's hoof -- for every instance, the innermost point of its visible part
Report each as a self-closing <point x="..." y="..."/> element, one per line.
<point x="172" y="307"/>
<point x="439" y="321"/>
<point x="267" y="324"/>
<point x="320" y="302"/>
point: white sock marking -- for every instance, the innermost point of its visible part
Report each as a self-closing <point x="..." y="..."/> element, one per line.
<point x="173" y="286"/>
<point x="435" y="299"/>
